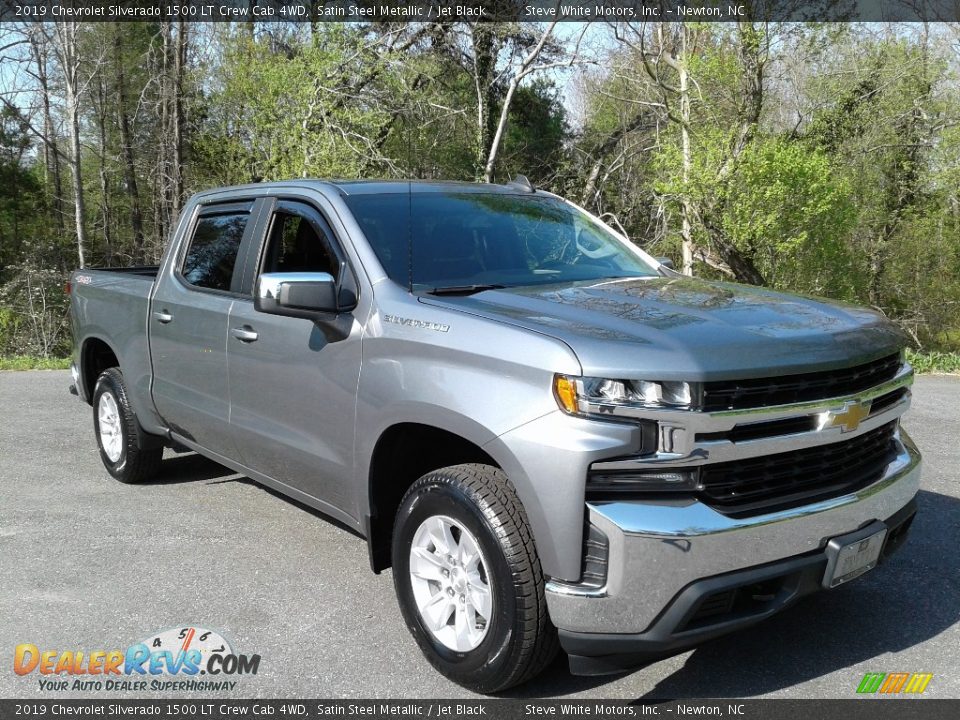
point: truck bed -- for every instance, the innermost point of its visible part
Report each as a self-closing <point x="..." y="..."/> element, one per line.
<point x="112" y="305"/>
<point x="149" y="271"/>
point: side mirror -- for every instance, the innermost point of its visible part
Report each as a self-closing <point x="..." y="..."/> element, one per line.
<point x="666" y="262"/>
<point x="300" y="295"/>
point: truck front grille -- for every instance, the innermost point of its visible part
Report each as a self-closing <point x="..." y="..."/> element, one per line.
<point x="764" y="392"/>
<point x="764" y="484"/>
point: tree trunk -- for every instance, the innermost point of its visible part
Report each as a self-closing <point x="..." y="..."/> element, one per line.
<point x="741" y="265"/>
<point x="129" y="166"/>
<point x="501" y="128"/>
<point x="526" y="68"/>
<point x="51" y="150"/>
<point x="176" y="169"/>
<point x="66" y="49"/>
<point x="590" y="187"/>
<point x="73" y="123"/>
<point x="102" y="170"/>
<point x="751" y="53"/>
<point x="162" y="193"/>
<point x="599" y="153"/>
<point x="484" y="58"/>
<point x="686" y="232"/>
<point x="752" y="65"/>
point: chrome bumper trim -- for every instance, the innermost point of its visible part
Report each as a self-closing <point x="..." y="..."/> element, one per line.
<point x="658" y="548"/>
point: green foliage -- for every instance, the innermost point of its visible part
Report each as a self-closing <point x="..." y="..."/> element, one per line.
<point x="920" y="278"/>
<point x="784" y="205"/>
<point x="534" y="143"/>
<point x="33" y="362"/>
<point x="877" y="123"/>
<point x="787" y="207"/>
<point x="935" y="362"/>
<point x="32" y="302"/>
<point x="432" y="132"/>
<point x="33" y="311"/>
<point x="287" y="107"/>
<point x="21" y="201"/>
<point x="846" y="186"/>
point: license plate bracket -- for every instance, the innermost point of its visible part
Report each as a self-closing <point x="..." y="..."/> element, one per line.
<point x="850" y="556"/>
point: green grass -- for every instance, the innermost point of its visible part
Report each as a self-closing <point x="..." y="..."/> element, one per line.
<point x="32" y="362"/>
<point x="935" y="362"/>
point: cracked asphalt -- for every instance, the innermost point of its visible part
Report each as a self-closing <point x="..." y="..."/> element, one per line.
<point x="89" y="563"/>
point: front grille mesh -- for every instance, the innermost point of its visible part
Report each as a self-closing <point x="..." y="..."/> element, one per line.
<point x="764" y="392"/>
<point x="742" y="487"/>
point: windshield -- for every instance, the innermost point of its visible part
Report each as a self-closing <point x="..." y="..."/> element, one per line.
<point x="477" y="239"/>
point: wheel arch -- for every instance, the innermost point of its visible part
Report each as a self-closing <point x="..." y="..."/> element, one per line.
<point x="96" y="355"/>
<point x="403" y="453"/>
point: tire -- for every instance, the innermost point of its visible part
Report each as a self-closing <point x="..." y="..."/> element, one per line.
<point x="116" y="428"/>
<point x="481" y="511"/>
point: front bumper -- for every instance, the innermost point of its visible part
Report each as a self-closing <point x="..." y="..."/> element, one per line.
<point x="664" y="557"/>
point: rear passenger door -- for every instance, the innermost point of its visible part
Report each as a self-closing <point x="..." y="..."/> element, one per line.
<point x="188" y="325"/>
<point x="293" y="381"/>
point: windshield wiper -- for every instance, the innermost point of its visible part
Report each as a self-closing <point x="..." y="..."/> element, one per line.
<point x="463" y="289"/>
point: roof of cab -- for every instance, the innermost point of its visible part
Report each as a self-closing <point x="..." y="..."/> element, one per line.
<point x="384" y="187"/>
<point x="379" y="187"/>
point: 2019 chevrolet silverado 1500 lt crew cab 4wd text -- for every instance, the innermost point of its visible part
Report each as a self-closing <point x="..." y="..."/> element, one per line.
<point x="551" y="437"/>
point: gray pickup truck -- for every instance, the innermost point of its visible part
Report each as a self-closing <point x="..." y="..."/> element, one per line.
<point x="552" y="438"/>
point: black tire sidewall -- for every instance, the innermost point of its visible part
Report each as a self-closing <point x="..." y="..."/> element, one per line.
<point x="484" y="664"/>
<point x="108" y="382"/>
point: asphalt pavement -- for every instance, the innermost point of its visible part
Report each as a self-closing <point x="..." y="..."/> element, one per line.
<point x="87" y="563"/>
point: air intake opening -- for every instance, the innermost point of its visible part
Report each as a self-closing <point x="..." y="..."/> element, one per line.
<point x="736" y="603"/>
<point x="596" y="551"/>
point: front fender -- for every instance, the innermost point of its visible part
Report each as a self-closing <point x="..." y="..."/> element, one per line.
<point x="547" y="461"/>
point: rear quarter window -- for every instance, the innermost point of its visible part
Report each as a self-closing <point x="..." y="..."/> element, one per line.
<point x="212" y="255"/>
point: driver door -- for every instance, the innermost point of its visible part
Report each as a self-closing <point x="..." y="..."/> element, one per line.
<point x="293" y="381"/>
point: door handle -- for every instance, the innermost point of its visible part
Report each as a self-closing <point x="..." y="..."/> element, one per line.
<point x="162" y="316"/>
<point x="244" y="334"/>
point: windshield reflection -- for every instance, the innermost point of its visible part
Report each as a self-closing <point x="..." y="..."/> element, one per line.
<point x="471" y="241"/>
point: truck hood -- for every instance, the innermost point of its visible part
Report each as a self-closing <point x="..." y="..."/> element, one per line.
<point x="688" y="329"/>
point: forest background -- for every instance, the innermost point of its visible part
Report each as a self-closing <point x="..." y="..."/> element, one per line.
<point x="822" y="159"/>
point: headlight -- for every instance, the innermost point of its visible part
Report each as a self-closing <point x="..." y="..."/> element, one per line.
<point x="604" y="397"/>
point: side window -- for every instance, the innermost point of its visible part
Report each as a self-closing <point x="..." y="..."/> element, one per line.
<point x="296" y="244"/>
<point x="213" y="250"/>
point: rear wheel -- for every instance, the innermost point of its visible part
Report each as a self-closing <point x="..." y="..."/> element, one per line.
<point x="469" y="581"/>
<point x="115" y="426"/>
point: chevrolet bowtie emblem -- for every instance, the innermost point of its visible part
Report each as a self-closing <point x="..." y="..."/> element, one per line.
<point x="848" y="419"/>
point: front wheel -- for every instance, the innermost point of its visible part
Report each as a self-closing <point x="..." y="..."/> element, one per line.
<point x="115" y="425"/>
<point x="469" y="581"/>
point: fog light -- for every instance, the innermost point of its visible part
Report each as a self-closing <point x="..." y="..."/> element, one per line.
<point x="651" y="481"/>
